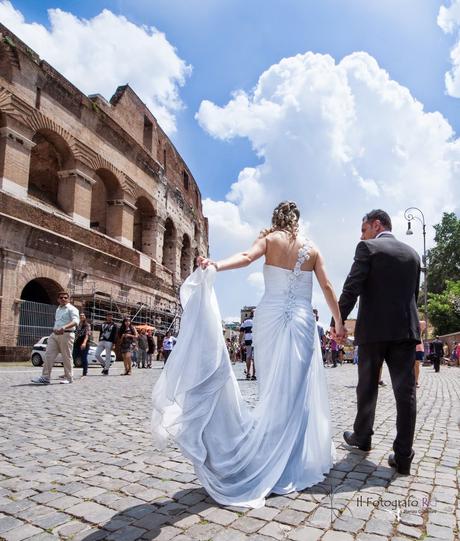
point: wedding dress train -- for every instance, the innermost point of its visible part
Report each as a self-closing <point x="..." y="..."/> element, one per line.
<point x="282" y="445"/>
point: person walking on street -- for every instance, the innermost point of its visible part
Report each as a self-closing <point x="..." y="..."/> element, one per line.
<point x="168" y="344"/>
<point x="107" y="339"/>
<point x="437" y="354"/>
<point x="143" y="345"/>
<point x="60" y="341"/>
<point x="385" y="276"/>
<point x="128" y="335"/>
<point x="81" y="344"/>
<point x="246" y="334"/>
<point x="151" y="348"/>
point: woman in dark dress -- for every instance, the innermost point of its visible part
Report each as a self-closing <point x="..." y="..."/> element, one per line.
<point x="127" y="335"/>
<point x="81" y="343"/>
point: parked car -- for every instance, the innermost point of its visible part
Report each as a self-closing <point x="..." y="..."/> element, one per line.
<point x="38" y="354"/>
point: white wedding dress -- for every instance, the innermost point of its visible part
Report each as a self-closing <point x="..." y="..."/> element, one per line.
<point x="284" y="444"/>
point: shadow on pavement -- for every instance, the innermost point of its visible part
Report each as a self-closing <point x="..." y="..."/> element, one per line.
<point x="146" y="521"/>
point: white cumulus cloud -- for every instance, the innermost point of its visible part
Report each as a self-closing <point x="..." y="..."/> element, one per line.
<point x="340" y="139"/>
<point x="99" y="54"/>
<point x="449" y="21"/>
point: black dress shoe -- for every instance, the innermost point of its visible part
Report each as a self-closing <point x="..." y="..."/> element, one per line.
<point x="402" y="466"/>
<point x="350" y="439"/>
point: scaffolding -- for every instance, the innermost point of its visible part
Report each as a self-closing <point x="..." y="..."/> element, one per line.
<point x="150" y="310"/>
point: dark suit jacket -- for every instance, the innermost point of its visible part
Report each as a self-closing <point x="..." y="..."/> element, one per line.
<point x="385" y="276"/>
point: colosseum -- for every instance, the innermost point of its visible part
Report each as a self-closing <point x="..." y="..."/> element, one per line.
<point x="94" y="198"/>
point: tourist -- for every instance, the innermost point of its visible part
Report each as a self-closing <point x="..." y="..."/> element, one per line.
<point x="437" y="353"/>
<point x="60" y="341"/>
<point x="81" y="343"/>
<point x="246" y="334"/>
<point x="151" y="348"/>
<point x="168" y="343"/>
<point x="334" y="348"/>
<point x="127" y="334"/>
<point x="143" y="346"/>
<point x="106" y="341"/>
<point x="322" y="336"/>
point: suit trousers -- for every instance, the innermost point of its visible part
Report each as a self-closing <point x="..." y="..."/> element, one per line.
<point x="400" y="359"/>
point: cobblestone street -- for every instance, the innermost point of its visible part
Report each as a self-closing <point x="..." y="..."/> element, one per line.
<point x="76" y="463"/>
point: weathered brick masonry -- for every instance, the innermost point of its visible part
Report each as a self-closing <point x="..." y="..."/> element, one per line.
<point x="92" y="194"/>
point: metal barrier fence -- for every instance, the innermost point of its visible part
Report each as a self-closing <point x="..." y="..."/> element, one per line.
<point x="36" y="319"/>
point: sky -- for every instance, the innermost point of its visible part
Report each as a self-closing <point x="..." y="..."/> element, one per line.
<point x="340" y="105"/>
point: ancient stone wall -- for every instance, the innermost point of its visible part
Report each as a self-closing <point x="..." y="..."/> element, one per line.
<point x="91" y="191"/>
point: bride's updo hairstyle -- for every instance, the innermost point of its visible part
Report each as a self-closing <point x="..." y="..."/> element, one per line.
<point x="285" y="218"/>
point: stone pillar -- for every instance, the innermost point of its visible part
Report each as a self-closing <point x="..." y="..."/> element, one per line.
<point x="9" y="303"/>
<point x="120" y="221"/>
<point x="177" y="269"/>
<point x="74" y="195"/>
<point x="15" y="151"/>
<point x="148" y="236"/>
<point x="157" y="233"/>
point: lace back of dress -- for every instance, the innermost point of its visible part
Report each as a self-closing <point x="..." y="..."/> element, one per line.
<point x="302" y="256"/>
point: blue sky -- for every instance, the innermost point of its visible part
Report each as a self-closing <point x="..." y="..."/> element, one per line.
<point x="230" y="42"/>
<point x="372" y="147"/>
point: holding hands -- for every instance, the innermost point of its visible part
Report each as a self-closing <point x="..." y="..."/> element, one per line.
<point x="339" y="333"/>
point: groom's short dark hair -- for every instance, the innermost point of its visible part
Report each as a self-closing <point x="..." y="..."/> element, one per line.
<point x="378" y="214"/>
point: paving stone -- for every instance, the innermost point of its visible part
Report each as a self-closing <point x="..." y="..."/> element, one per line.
<point x="290" y="517"/>
<point x="275" y="530"/>
<point x="442" y="519"/>
<point x="21" y="532"/>
<point x="229" y="534"/>
<point x="264" y="513"/>
<point x="348" y="524"/>
<point x="70" y="529"/>
<point x="337" y="536"/>
<point x="92" y="512"/>
<point x="380" y="527"/>
<point x="441" y="532"/>
<point x="221" y="516"/>
<point x="371" y="537"/>
<point x="204" y="530"/>
<point x="51" y="521"/>
<point x="305" y="533"/>
<point x="248" y="524"/>
<point x="409" y="531"/>
<point x="129" y="533"/>
<point x="8" y="523"/>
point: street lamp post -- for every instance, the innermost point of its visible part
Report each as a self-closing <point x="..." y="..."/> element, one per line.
<point x="410" y="216"/>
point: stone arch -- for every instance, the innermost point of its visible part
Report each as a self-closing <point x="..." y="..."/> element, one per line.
<point x="185" y="257"/>
<point x="50" y="156"/>
<point x="169" y="245"/>
<point x="143" y="228"/>
<point x="36" y="310"/>
<point x="42" y="290"/>
<point x="106" y="191"/>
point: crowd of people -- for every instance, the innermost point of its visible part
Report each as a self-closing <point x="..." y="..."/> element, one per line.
<point x="71" y="337"/>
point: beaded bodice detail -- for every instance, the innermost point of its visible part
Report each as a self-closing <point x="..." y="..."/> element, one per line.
<point x="303" y="255"/>
<point x="289" y="288"/>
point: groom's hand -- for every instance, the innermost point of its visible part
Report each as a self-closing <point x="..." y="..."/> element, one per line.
<point x="339" y="334"/>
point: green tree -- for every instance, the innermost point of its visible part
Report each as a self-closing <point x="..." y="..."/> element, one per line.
<point x="444" y="309"/>
<point x="444" y="258"/>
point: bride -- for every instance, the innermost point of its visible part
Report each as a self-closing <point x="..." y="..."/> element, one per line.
<point x="284" y="444"/>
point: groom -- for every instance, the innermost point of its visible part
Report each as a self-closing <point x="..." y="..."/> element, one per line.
<point x="385" y="276"/>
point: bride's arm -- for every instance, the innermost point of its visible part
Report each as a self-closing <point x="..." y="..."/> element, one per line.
<point x="329" y="294"/>
<point x="237" y="261"/>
